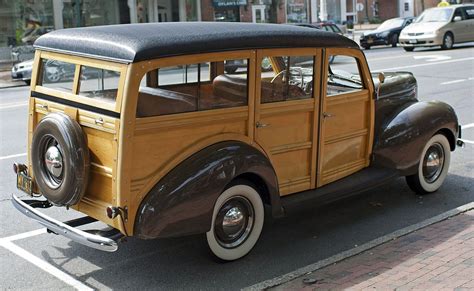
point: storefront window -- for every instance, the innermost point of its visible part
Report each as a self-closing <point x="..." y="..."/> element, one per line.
<point x="77" y="13"/>
<point x="297" y="11"/>
<point x="191" y="10"/>
<point x="227" y="14"/>
<point x="334" y="10"/>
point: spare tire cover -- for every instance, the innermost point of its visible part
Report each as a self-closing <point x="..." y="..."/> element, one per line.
<point x="60" y="159"/>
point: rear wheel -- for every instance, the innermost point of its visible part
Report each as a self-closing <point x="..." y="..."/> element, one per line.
<point x="366" y="47"/>
<point x="408" y="48"/>
<point x="237" y="221"/>
<point x="433" y="166"/>
<point x="448" y="41"/>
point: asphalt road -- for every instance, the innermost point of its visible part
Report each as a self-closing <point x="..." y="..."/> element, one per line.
<point x="36" y="260"/>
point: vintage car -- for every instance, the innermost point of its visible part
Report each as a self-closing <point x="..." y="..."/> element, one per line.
<point x="162" y="142"/>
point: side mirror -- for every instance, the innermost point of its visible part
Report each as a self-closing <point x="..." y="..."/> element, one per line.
<point x="381" y="77"/>
<point x="457" y="18"/>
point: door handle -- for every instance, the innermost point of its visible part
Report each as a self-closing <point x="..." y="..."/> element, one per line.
<point x="261" y="125"/>
<point x="327" y="115"/>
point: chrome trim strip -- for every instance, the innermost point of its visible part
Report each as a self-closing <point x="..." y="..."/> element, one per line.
<point x="77" y="235"/>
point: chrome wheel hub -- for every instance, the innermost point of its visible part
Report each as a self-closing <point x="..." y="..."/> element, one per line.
<point x="234" y="222"/>
<point x="54" y="161"/>
<point x="433" y="163"/>
<point x="448" y="41"/>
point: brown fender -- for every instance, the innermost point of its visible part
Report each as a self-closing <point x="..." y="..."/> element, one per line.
<point x="182" y="202"/>
<point x="401" y="136"/>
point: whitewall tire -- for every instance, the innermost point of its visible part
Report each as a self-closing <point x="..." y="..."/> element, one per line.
<point x="433" y="166"/>
<point x="237" y="222"/>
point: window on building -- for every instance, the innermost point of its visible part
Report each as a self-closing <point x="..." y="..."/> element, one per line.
<point x="286" y="78"/>
<point x="194" y="87"/>
<point x="344" y="76"/>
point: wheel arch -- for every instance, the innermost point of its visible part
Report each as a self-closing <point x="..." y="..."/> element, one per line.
<point x="182" y="202"/>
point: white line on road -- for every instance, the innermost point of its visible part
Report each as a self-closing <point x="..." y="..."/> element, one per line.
<point x="427" y="64"/>
<point x="453" y="82"/>
<point x="12" y="156"/>
<point x="24" y="235"/>
<point x="45" y="266"/>
<point x="13" y="105"/>
<point x="466" y="126"/>
<point x="467" y="141"/>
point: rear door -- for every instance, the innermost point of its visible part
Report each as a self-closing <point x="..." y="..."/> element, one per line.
<point x="286" y="114"/>
<point x="346" y="117"/>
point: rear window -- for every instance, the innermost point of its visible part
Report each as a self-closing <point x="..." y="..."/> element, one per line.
<point x="57" y="75"/>
<point x="99" y="84"/>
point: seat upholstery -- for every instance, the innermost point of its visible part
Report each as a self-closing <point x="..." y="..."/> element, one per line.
<point x="155" y="101"/>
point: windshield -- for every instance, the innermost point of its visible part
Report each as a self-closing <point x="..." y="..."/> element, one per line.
<point x="435" y="15"/>
<point x="391" y="23"/>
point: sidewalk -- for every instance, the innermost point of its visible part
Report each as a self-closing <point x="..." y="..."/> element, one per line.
<point x="437" y="257"/>
<point x="7" y="82"/>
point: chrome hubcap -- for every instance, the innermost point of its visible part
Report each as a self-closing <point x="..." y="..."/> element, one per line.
<point x="433" y="163"/>
<point x="234" y="222"/>
<point x="448" y="41"/>
<point x="54" y="161"/>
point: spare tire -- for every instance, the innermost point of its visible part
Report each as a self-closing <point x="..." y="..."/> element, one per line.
<point x="60" y="159"/>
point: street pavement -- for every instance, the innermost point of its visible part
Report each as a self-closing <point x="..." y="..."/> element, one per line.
<point x="34" y="259"/>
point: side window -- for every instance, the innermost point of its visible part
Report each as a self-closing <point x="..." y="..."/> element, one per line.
<point x="458" y="12"/>
<point x="193" y="87"/>
<point x="57" y="75"/>
<point x="469" y="12"/>
<point x="286" y="78"/>
<point x="99" y="84"/>
<point x="343" y="76"/>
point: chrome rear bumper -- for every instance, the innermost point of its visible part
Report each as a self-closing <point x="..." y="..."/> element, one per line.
<point x="95" y="241"/>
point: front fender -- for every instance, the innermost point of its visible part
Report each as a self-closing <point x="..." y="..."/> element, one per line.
<point x="182" y="202"/>
<point x="400" y="139"/>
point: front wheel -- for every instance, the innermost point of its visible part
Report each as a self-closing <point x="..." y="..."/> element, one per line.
<point x="394" y="40"/>
<point x="448" y="41"/>
<point x="237" y="222"/>
<point x="433" y="166"/>
<point x="408" y="48"/>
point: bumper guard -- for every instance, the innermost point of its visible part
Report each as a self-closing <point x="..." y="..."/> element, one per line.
<point x="101" y="240"/>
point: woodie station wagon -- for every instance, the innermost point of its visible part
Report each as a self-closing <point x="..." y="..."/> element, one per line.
<point x="153" y="137"/>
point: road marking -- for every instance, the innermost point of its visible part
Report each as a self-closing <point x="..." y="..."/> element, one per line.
<point x="24" y="235"/>
<point x="422" y="65"/>
<point x="12" y="156"/>
<point x="13" y="105"/>
<point x="467" y="141"/>
<point x="466" y="126"/>
<point x="432" y="58"/>
<point x="453" y="82"/>
<point x="43" y="265"/>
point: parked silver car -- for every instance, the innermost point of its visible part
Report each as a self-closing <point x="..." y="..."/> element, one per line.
<point x="22" y="71"/>
<point x="441" y="26"/>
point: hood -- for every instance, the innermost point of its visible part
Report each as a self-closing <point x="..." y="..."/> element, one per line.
<point x="423" y="27"/>
<point x="397" y="85"/>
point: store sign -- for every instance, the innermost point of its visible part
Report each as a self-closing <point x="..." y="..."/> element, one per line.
<point x="227" y="3"/>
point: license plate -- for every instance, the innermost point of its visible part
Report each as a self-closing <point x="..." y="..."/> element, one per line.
<point x="412" y="41"/>
<point x="24" y="183"/>
<point x="370" y="40"/>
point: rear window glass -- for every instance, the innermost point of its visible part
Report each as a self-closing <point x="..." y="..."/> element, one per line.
<point x="99" y="84"/>
<point x="57" y="75"/>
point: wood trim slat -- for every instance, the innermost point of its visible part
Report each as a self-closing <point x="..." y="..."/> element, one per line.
<point x="291" y="147"/>
<point x="346" y="136"/>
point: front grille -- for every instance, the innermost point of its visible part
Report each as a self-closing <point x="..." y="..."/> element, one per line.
<point x="416" y="34"/>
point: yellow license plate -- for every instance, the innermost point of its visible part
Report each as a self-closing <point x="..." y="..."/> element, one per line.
<point x="24" y="183"/>
<point x="370" y="40"/>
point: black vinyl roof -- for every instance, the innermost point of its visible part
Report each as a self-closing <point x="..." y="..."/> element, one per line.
<point x="137" y="42"/>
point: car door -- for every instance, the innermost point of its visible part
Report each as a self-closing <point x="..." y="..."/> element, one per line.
<point x="460" y="28"/>
<point x="286" y="114"/>
<point x="346" y="117"/>
<point x="469" y="14"/>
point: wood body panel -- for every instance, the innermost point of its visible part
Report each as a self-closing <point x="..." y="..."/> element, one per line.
<point x="346" y="125"/>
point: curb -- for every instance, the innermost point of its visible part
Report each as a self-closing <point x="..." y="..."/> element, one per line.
<point x="355" y="251"/>
<point x="13" y="86"/>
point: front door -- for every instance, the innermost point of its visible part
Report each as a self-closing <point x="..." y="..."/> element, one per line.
<point x="286" y="114"/>
<point x="346" y="116"/>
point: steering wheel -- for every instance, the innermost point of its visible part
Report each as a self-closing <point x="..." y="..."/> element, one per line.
<point x="279" y="75"/>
